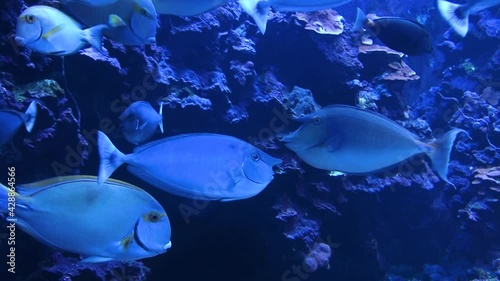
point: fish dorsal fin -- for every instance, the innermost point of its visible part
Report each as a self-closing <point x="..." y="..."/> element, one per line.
<point x="146" y="146"/>
<point x="38" y="186"/>
<point x="51" y="32"/>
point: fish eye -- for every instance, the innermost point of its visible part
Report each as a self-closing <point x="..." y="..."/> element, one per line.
<point x="316" y="120"/>
<point x="153" y="217"/>
<point x="29" y="18"/>
<point x="255" y="156"/>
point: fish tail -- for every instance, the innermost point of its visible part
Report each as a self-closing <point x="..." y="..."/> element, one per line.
<point x="94" y="35"/>
<point x="458" y="21"/>
<point x="161" y="116"/>
<point x="360" y="20"/>
<point x="110" y="157"/>
<point x="258" y="10"/>
<point x="30" y="116"/>
<point x="440" y="155"/>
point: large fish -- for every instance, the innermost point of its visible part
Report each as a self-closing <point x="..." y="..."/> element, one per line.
<point x="187" y="8"/>
<point x="49" y="31"/>
<point x="457" y="15"/>
<point x="139" y="122"/>
<point x="356" y="141"/>
<point x="11" y="121"/>
<point x="259" y="9"/>
<point x="111" y="221"/>
<point x="403" y="35"/>
<point x="200" y="166"/>
<point x="132" y="22"/>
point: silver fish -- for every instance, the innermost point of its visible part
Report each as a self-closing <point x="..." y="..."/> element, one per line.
<point x="49" y="31"/>
<point x="200" y="166"/>
<point x="457" y="15"/>
<point x="11" y="121"/>
<point x="111" y="221"/>
<point x="132" y="22"/>
<point x="259" y="9"/>
<point x="351" y="140"/>
<point x="139" y="122"/>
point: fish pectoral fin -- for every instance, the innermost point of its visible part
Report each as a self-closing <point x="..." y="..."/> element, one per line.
<point x="125" y="242"/>
<point x="95" y="259"/>
<point x="116" y="21"/>
<point x="142" y="126"/>
<point x="51" y="32"/>
<point x="333" y="144"/>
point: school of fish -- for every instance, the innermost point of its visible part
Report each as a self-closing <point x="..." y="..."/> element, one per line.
<point x="90" y="217"/>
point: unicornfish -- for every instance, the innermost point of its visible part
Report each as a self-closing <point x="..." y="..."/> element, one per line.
<point x="49" y="31"/>
<point x="199" y="166"/>
<point x="139" y="122"/>
<point x="352" y="140"/>
<point x="102" y="222"/>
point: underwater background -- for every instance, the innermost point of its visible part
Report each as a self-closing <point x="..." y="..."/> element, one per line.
<point x="216" y="73"/>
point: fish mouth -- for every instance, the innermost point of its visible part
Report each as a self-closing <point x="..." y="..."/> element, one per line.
<point x="21" y="41"/>
<point x="167" y="246"/>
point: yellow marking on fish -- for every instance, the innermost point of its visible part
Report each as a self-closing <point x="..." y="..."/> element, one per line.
<point x="125" y="243"/>
<point x="141" y="11"/>
<point x="52" y="32"/>
<point x="116" y="21"/>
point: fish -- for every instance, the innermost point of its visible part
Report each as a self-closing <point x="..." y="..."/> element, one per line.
<point x="259" y="9"/>
<point x="11" y="121"/>
<point x="51" y="32"/>
<point x="187" y="8"/>
<point x="457" y="15"/>
<point x="200" y="166"/>
<point x="139" y="122"/>
<point x="111" y="221"/>
<point x="130" y="22"/>
<point x="356" y="141"/>
<point x="403" y="35"/>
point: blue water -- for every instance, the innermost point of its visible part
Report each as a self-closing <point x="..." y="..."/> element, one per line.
<point x="216" y="73"/>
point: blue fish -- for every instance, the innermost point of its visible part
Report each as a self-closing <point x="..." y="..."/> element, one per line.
<point x="200" y="166"/>
<point x="139" y="122"/>
<point x="52" y="32"/>
<point x="11" y="121"/>
<point x="131" y="22"/>
<point x="355" y="141"/>
<point x="111" y="221"/>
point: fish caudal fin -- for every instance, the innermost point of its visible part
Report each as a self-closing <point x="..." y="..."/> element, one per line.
<point x="459" y="22"/>
<point x="161" y="117"/>
<point x="440" y="155"/>
<point x="110" y="157"/>
<point x="30" y="116"/>
<point x="94" y="35"/>
<point x="360" y="20"/>
<point x="258" y="10"/>
<point x="5" y="193"/>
